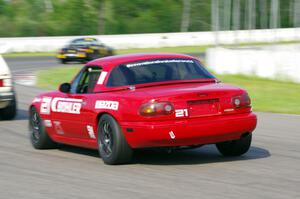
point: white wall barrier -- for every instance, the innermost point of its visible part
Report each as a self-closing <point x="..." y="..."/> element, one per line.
<point x="273" y="63"/>
<point x="156" y="40"/>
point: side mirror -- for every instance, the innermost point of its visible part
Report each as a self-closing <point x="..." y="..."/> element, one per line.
<point x="65" y="87"/>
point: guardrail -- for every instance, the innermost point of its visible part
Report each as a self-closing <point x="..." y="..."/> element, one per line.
<point x="155" y="40"/>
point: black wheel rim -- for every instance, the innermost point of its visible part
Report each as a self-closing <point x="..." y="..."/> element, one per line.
<point x="35" y="125"/>
<point x="106" y="138"/>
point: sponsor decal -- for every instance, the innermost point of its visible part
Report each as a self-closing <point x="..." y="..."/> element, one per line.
<point x="159" y="62"/>
<point x="62" y="105"/>
<point x="102" y="77"/>
<point x="66" y="105"/>
<point x="90" y="131"/>
<point x="105" y="104"/>
<point x="172" y="135"/>
<point x="47" y="123"/>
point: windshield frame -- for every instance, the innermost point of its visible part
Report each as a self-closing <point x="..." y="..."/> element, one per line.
<point x="84" y="42"/>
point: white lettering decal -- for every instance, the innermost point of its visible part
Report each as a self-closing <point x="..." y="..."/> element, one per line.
<point x="66" y="105"/>
<point x="172" y="135"/>
<point x="103" y="104"/>
<point x="90" y="131"/>
<point x="45" y="105"/>
<point x="102" y="77"/>
<point x="181" y="113"/>
<point x="160" y="62"/>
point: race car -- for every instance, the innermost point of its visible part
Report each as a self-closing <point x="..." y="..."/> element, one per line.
<point x="8" y="104"/>
<point x="121" y="103"/>
<point x="83" y="49"/>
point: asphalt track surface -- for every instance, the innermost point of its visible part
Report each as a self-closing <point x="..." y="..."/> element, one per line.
<point x="269" y="170"/>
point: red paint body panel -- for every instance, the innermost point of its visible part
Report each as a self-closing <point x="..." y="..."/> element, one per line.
<point x="210" y="116"/>
<point x="187" y="132"/>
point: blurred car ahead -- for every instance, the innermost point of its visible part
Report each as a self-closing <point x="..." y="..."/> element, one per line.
<point x="8" y="103"/>
<point x="83" y="50"/>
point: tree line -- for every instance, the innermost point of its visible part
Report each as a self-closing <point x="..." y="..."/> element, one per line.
<point x="92" y="17"/>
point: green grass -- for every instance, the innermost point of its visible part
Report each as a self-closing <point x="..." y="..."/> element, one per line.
<point x="267" y="95"/>
<point x="29" y="54"/>
<point x="179" y="49"/>
<point x="50" y="79"/>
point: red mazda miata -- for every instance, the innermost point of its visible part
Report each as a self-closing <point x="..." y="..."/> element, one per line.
<point x="121" y="103"/>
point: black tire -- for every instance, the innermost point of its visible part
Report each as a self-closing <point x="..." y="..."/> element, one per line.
<point x="235" y="147"/>
<point x="84" y="61"/>
<point x="9" y="112"/>
<point x="38" y="135"/>
<point x="112" y="145"/>
<point x="93" y="56"/>
<point x="110" y="52"/>
<point x="63" y="61"/>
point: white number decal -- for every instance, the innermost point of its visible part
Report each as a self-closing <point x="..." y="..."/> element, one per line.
<point x="45" y="105"/>
<point x="181" y="113"/>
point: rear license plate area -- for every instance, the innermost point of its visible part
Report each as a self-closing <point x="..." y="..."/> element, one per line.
<point x="70" y="55"/>
<point x="199" y="108"/>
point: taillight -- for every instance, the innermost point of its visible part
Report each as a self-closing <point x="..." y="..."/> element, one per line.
<point x="156" y="109"/>
<point x="5" y="82"/>
<point x="241" y="101"/>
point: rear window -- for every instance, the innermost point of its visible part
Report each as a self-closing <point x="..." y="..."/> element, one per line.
<point x="84" y="42"/>
<point x="160" y="70"/>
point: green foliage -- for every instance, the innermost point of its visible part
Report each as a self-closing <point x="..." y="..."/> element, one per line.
<point x="88" y="17"/>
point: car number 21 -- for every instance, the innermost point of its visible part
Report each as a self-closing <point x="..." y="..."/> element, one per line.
<point x="181" y="113"/>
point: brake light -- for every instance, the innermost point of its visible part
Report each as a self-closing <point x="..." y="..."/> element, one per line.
<point x="156" y="109"/>
<point x="5" y="82"/>
<point x="241" y="101"/>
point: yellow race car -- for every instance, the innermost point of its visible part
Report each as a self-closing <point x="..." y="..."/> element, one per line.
<point x="83" y="50"/>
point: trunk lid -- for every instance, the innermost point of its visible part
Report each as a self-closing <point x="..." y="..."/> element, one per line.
<point x="197" y="99"/>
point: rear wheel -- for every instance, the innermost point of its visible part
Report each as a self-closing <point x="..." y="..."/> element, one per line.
<point x="93" y="56"/>
<point x="63" y="61"/>
<point x="38" y="135"/>
<point x="112" y="145"/>
<point x="235" y="147"/>
<point x="10" y="111"/>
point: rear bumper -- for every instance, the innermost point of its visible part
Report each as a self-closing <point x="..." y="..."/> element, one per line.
<point x="195" y="131"/>
<point x="6" y="96"/>
<point x="72" y="56"/>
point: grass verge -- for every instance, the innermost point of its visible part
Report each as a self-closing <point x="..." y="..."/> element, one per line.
<point x="267" y="95"/>
<point x="29" y="54"/>
<point x="50" y="79"/>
